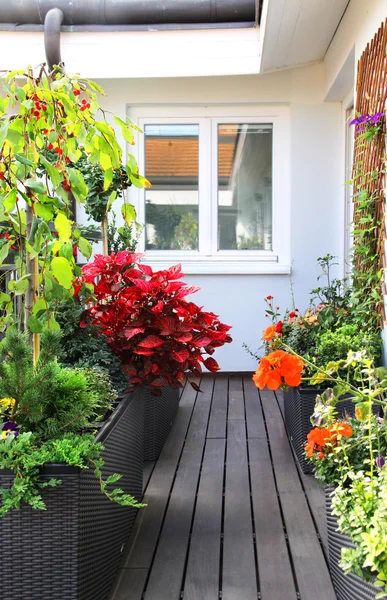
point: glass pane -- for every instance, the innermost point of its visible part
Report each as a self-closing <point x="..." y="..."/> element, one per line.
<point x="172" y="203"/>
<point x="244" y="186"/>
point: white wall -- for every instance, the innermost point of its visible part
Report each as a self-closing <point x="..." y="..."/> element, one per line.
<point x="316" y="189"/>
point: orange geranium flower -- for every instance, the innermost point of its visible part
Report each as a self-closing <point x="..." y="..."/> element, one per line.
<point x="269" y="333"/>
<point x="340" y="428"/>
<point x="277" y="368"/>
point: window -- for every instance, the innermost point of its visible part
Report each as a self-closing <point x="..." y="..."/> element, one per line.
<point x="219" y="200"/>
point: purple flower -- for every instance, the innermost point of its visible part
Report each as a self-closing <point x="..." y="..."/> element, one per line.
<point x="374" y="119"/>
<point x="380" y="461"/>
<point x="9" y="426"/>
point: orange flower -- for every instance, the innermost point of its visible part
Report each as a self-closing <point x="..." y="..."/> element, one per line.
<point x="309" y="449"/>
<point x="319" y="436"/>
<point x="342" y="429"/>
<point x="269" y="333"/>
<point x="277" y="368"/>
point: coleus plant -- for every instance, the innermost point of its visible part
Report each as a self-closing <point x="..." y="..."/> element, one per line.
<point x="56" y="117"/>
<point x="148" y="322"/>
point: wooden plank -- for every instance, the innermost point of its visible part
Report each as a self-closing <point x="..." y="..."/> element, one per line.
<point x="166" y="576"/>
<point x="202" y="575"/>
<point x="311" y="570"/>
<point x="130" y="584"/>
<point x="239" y="579"/>
<point x="218" y="416"/>
<point x="274" y="567"/>
<point x="254" y="416"/>
<point x="236" y="404"/>
<point x="314" y="491"/>
<point x="146" y="529"/>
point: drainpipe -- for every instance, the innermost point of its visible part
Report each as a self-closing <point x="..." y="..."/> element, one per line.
<point x="52" y="24"/>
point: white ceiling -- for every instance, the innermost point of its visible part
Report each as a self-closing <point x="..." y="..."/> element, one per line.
<point x="296" y="32"/>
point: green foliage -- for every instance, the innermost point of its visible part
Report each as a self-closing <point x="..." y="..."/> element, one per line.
<point x="26" y="454"/>
<point x="122" y="238"/>
<point x="335" y="345"/>
<point x="97" y="200"/>
<point x="85" y="347"/>
<point x="334" y="296"/>
<point x="49" y="400"/>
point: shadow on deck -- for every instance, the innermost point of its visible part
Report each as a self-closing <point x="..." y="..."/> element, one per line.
<point x="229" y="515"/>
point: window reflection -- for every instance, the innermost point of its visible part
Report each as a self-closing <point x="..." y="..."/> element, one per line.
<point x="172" y="203"/>
<point x="245" y="186"/>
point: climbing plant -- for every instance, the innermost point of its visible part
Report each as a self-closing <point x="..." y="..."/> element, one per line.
<point x="48" y="123"/>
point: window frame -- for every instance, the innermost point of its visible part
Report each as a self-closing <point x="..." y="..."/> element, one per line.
<point x="208" y="259"/>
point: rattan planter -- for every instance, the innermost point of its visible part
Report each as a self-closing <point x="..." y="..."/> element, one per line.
<point x="347" y="587"/>
<point x="72" y="551"/>
<point x="159" y="414"/>
<point x="299" y="405"/>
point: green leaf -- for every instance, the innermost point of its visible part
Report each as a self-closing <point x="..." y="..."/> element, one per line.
<point x="52" y="324"/>
<point x="127" y="132"/>
<point x="62" y="272"/>
<point x="78" y="185"/>
<point x="24" y="160"/>
<point x="36" y="186"/>
<point x="63" y="227"/>
<point x="39" y="307"/>
<point x="66" y="250"/>
<point x="19" y="287"/>
<point x="112" y="197"/>
<point x="4" y="251"/>
<point x="131" y="165"/>
<point x="139" y="181"/>
<point x="3" y="132"/>
<point x="85" y="247"/>
<point x="9" y="201"/>
<point x="107" y="180"/>
<point x="34" y="324"/>
<point x="53" y="174"/>
<point x="128" y="212"/>
<point x="44" y="211"/>
<point x="4" y="298"/>
<point x="105" y="161"/>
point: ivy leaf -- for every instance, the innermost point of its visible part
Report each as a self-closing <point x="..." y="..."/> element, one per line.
<point x="63" y="227"/>
<point x="62" y="272"/>
<point x="34" y="324"/>
<point x="85" y="247"/>
<point x="9" y="201"/>
<point x="128" y="212"/>
<point x="36" y="186"/>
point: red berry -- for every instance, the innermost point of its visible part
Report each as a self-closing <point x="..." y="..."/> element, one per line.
<point x="43" y="107"/>
<point x="84" y="101"/>
<point x="37" y="104"/>
<point x="83" y="108"/>
<point x="2" y="176"/>
<point x="37" y="114"/>
<point x="45" y="131"/>
<point x="58" y="151"/>
<point x="67" y="159"/>
<point x="76" y="92"/>
<point x="88" y="105"/>
<point x="50" y="146"/>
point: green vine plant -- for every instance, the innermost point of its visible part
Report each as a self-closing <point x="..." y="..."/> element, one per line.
<point x="57" y="121"/>
<point x="367" y="274"/>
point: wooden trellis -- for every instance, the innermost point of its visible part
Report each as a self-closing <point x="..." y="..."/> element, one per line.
<point x="369" y="157"/>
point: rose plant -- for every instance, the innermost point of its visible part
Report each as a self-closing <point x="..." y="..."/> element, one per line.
<point x="148" y="322"/>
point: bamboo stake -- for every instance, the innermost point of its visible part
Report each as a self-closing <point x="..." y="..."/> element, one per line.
<point x="104" y="235"/>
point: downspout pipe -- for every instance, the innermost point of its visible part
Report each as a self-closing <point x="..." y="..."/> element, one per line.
<point x="52" y="23"/>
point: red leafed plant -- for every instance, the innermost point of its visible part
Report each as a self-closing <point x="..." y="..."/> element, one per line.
<point x="148" y="322"/>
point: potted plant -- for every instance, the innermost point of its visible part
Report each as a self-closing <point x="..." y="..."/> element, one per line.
<point x="49" y="421"/>
<point x="158" y="335"/>
<point x="348" y="456"/>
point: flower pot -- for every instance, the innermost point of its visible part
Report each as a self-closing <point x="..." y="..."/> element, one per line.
<point x="159" y="414"/>
<point x="347" y="587"/>
<point x="72" y="550"/>
<point x="299" y="406"/>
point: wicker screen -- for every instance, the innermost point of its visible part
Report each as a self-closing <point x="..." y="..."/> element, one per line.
<point x="369" y="158"/>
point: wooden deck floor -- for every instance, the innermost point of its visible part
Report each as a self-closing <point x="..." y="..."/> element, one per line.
<point x="229" y="516"/>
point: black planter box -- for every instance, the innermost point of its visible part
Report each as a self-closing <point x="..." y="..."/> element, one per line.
<point x="299" y="406"/>
<point x="72" y="550"/>
<point x="347" y="587"/>
<point x="159" y="414"/>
